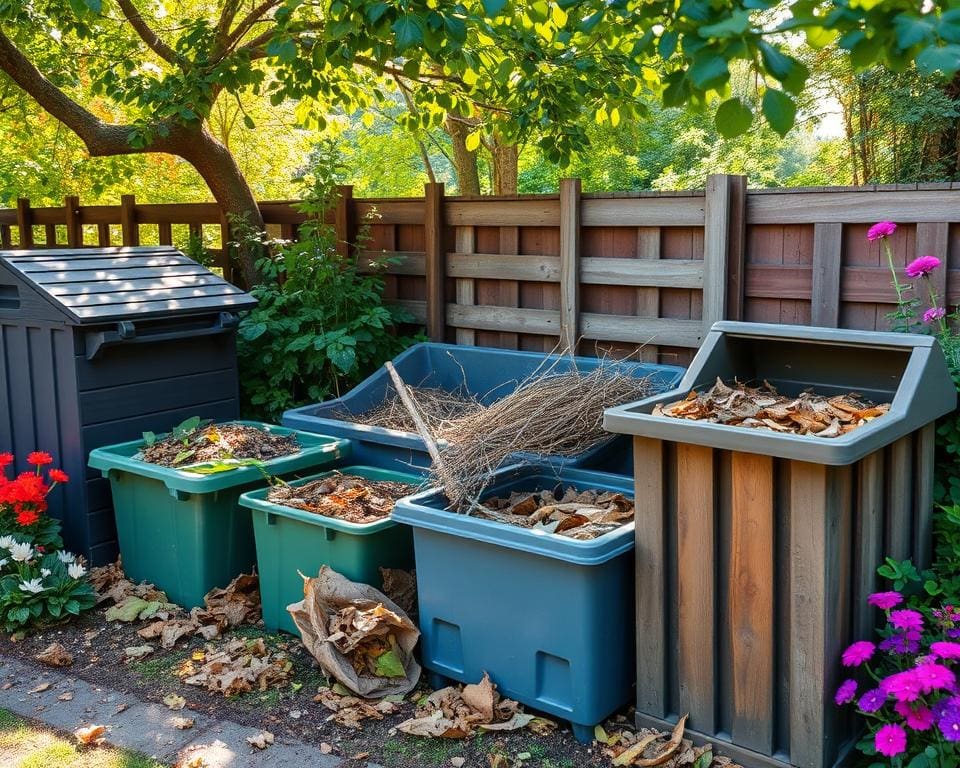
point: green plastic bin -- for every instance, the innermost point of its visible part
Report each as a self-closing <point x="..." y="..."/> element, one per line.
<point x="185" y="532"/>
<point x="291" y="540"/>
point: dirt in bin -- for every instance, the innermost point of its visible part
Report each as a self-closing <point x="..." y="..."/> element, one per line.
<point x="766" y="409"/>
<point x="217" y="442"/>
<point x="349" y="498"/>
<point x="581" y="515"/>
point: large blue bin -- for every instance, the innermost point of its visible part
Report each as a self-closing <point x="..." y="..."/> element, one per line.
<point x="550" y="618"/>
<point x="486" y="373"/>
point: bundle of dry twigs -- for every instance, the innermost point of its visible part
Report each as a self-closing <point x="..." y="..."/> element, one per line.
<point x="438" y="408"/>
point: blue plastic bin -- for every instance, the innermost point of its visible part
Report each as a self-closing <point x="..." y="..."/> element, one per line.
<point x="550" y="618"/>
<point x="485" y="373"/>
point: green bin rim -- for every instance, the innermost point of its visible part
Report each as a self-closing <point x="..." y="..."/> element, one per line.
<point x="257" y="500"/>
<point x="315" y="451"/>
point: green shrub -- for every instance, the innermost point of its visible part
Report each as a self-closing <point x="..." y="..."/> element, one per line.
<point x="321" y="325"/>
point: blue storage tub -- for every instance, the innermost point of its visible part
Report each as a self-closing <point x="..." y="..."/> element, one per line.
<point x="550" y="618"/>
<point x="486" y="373"/>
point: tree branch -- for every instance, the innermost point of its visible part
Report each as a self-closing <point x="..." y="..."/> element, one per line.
<point x="151" y="38"/>
<point x="248" y="21"/>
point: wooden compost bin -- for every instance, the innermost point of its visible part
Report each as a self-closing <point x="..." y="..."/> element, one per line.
<point x="756" y="550"/>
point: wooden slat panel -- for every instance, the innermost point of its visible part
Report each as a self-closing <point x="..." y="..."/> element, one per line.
<point x="643" y="212"/>
<point x="515" y="320"/>
<point x="934" y="240"/>
<point x="492" y="266"/>
<point x="508" y="213"/>
<point x="663" y="273"/>
<point x="38" y="269"/>
<point x="776" y="282"/>
<point x="79" y="288"/>
<point x="665" y="332"/>
<point x="695" y="584"/>
<point x="406" y="262"/>
<point x="900" y="499"/>
<point x="418" y="309"/>
<point x="81" y="254"/>
<point x="651" y="568"/>
<point x="853" y="207"/>
<point x="434" y="258"/>
<point x="716" y="242"/>
<point x="751" y="600"/>
<point x="391" y="211"/>
<point x="648" y="299"/>
<point x="83" y="275"/>
<point x="165" y="213"/>
<point x="465" y="239"/>
<point x="869" y="538"/>
<point x="825" y="292"/>
<point x="123" y="298"/>
<point x="923" y="511"/>
<point x="509" y="289"/>
<point x="162" y="307"/>
<point x="569" y="263"/>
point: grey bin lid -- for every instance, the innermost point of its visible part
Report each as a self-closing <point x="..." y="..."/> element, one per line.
<point x="98" y="285"/>
<point x="907" y="370"/>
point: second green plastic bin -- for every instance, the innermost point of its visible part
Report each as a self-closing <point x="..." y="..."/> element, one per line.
<point x="291" y="540"/>
<point x="185" y="532"/>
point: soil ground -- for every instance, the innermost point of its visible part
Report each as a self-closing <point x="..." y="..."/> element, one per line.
<point x="98" y="650"/>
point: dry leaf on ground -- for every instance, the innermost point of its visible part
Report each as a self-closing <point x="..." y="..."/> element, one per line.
<point x="350" y="711"/>
<point x="237" y="666"/>
<point x="40" y="688"/>
<point x="174" y="702"/>
<point x="458" y="713"/>
<point x="65" y="696"/>
<point x="648" y="748"/>
<point x="55" y="655"/>
<point x="137" y="651"/>
<point x="92" y="734"/>
<point x="183" y="723"/>
<point x="261" y="740"/>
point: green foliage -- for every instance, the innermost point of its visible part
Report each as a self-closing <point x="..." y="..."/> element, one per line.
<point x="41" y="591"/>
<point x="321" y="325"/>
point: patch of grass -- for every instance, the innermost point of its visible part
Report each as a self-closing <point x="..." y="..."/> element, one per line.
<point x="156" y="668"/>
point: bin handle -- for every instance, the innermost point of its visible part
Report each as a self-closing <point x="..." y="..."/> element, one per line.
<point x="126" y="333"/>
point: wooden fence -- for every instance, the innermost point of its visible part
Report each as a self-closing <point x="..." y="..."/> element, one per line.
<point x="609" y="271"/>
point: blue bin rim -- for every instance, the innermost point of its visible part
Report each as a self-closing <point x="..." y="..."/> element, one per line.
<point x="316" y="450"/>
<point x="257" y="501"/>
<point x="303" y="417"/>
<point x="426" y="510"/>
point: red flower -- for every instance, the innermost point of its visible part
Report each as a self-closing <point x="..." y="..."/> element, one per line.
<point x="5" y="459"/>
<point x="27" y="517"/>
<point x="59" y="476"/>
<point x="39" y="458"/>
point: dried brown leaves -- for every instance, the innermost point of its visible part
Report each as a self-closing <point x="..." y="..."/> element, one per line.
<point x="55" y="655"/>
<point x="647" y="748"/>
<point x="237" y="666"/>
<point x="344" y="497"/>
<point x="350" y="710"/>
<point x="458" y="713"/>
<point x="764" y="408"/>
<point x="217" y="442"/>
<point x="579" y="515"/>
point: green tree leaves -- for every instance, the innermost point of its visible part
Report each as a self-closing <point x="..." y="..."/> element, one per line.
<point x="780" y="110"/>
<point x="733" y="118"/>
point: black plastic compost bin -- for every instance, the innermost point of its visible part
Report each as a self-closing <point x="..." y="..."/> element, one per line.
<point x="98" y="345"/>
<point x="756" y="550"/>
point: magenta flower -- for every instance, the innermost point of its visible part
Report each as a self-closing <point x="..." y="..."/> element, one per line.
<point x="903" y="686"/>
<point x="907" y="619"/>
<point x="934" y="313"/>
<point x="846" y="692"/>
<point x="933" y="677"/>
<point x="885" y="600"/>
<point x="881" y="230"/>
<point x="922" y="266"/>
<point x="872" y="700"/>
<point x="858" y="653"/>
<point x="890" y="740"/>
<point x="920" y="718"/>
<point x="949" y="723"/>
<point x="902" y="642"/>
<point x="945" y="649"/>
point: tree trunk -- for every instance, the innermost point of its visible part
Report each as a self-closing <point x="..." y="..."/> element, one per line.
<point x="505" y="172"/>
<point x="464" y="161"/>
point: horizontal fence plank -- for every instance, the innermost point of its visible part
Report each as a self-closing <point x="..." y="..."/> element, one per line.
<point x="853" y="207"/>
<point x="177" y="213"/>
<point x="640" y="330"/>
<point x="775" y="282"/>
<point x="389" y="211"/>
<point x="492" y="266"/>
<point x="643" y="212"/>
<point x="402" y="262"/>
<point x="417" y="309"/>
<point x="509" y="319"/>
<point x="674" y="273"/>
<point x="503" y="213"/>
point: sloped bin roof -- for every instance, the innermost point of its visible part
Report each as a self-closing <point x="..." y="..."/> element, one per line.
<point x="906" y="370"/>
<point x="95" y="285"/>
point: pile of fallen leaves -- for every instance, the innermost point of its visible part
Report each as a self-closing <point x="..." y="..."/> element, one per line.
<point x="764" y="408"/>
<point x="350" y="710"/>
<point x="344" y="497"/>
<point x="237" y="666"/>
<point x="647" y="748"/>
<point x="236" y="604"/>
<point x="366" y="636"/>
<point x="215" y="443"/>
<point x="459" y="712"/>
<point x="577" y="514"/>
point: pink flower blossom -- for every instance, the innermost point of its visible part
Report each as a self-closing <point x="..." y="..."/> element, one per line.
<point x="933" y="677"/>
<point x="885" y="600"/>
<point x="934" y="313"/>
<point x="922" y="266"/>
<point x="920" y="718"/>
<point x="872" y="700"/>
<point x="880" y="230"/>
<point x="858" y="653"/>
<point x="890" y="740"/>
<point x="945" y="649"/>
<point x="907" y="619"/>
<point x="903" y="686"/>
<point x="846" y="692"/>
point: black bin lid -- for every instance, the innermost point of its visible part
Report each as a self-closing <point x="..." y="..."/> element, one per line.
<point x="97" y="285"/>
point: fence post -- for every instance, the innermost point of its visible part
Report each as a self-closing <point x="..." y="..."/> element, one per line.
<point x="724" y="235"/>
<point x="569" y="263"/>
<point x="128" y="220"/>
<point x="434" y="261"/>
<point x="825" y="276"/>
<point x="343" y="219"/>
<point x="25" y="222"/>
<point x="71" y="216"/>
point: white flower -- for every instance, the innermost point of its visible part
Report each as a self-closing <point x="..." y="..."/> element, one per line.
<point x="66" y="557"/>
<point x="3" y="562"/>
<point x="34" y="585"/>
<point x="21" y="552"/>
<point x="76" y="571"/>
<point x="7" y="541"/>
<point x="44" y="572"/>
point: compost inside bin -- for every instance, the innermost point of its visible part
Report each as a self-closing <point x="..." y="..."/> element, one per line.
<point x="582" y="515"/>
<point x="194" y="442"/>
<point x="438" y="407"/>
<point x="350" y="498"/>
<point x="762" y="407"/>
